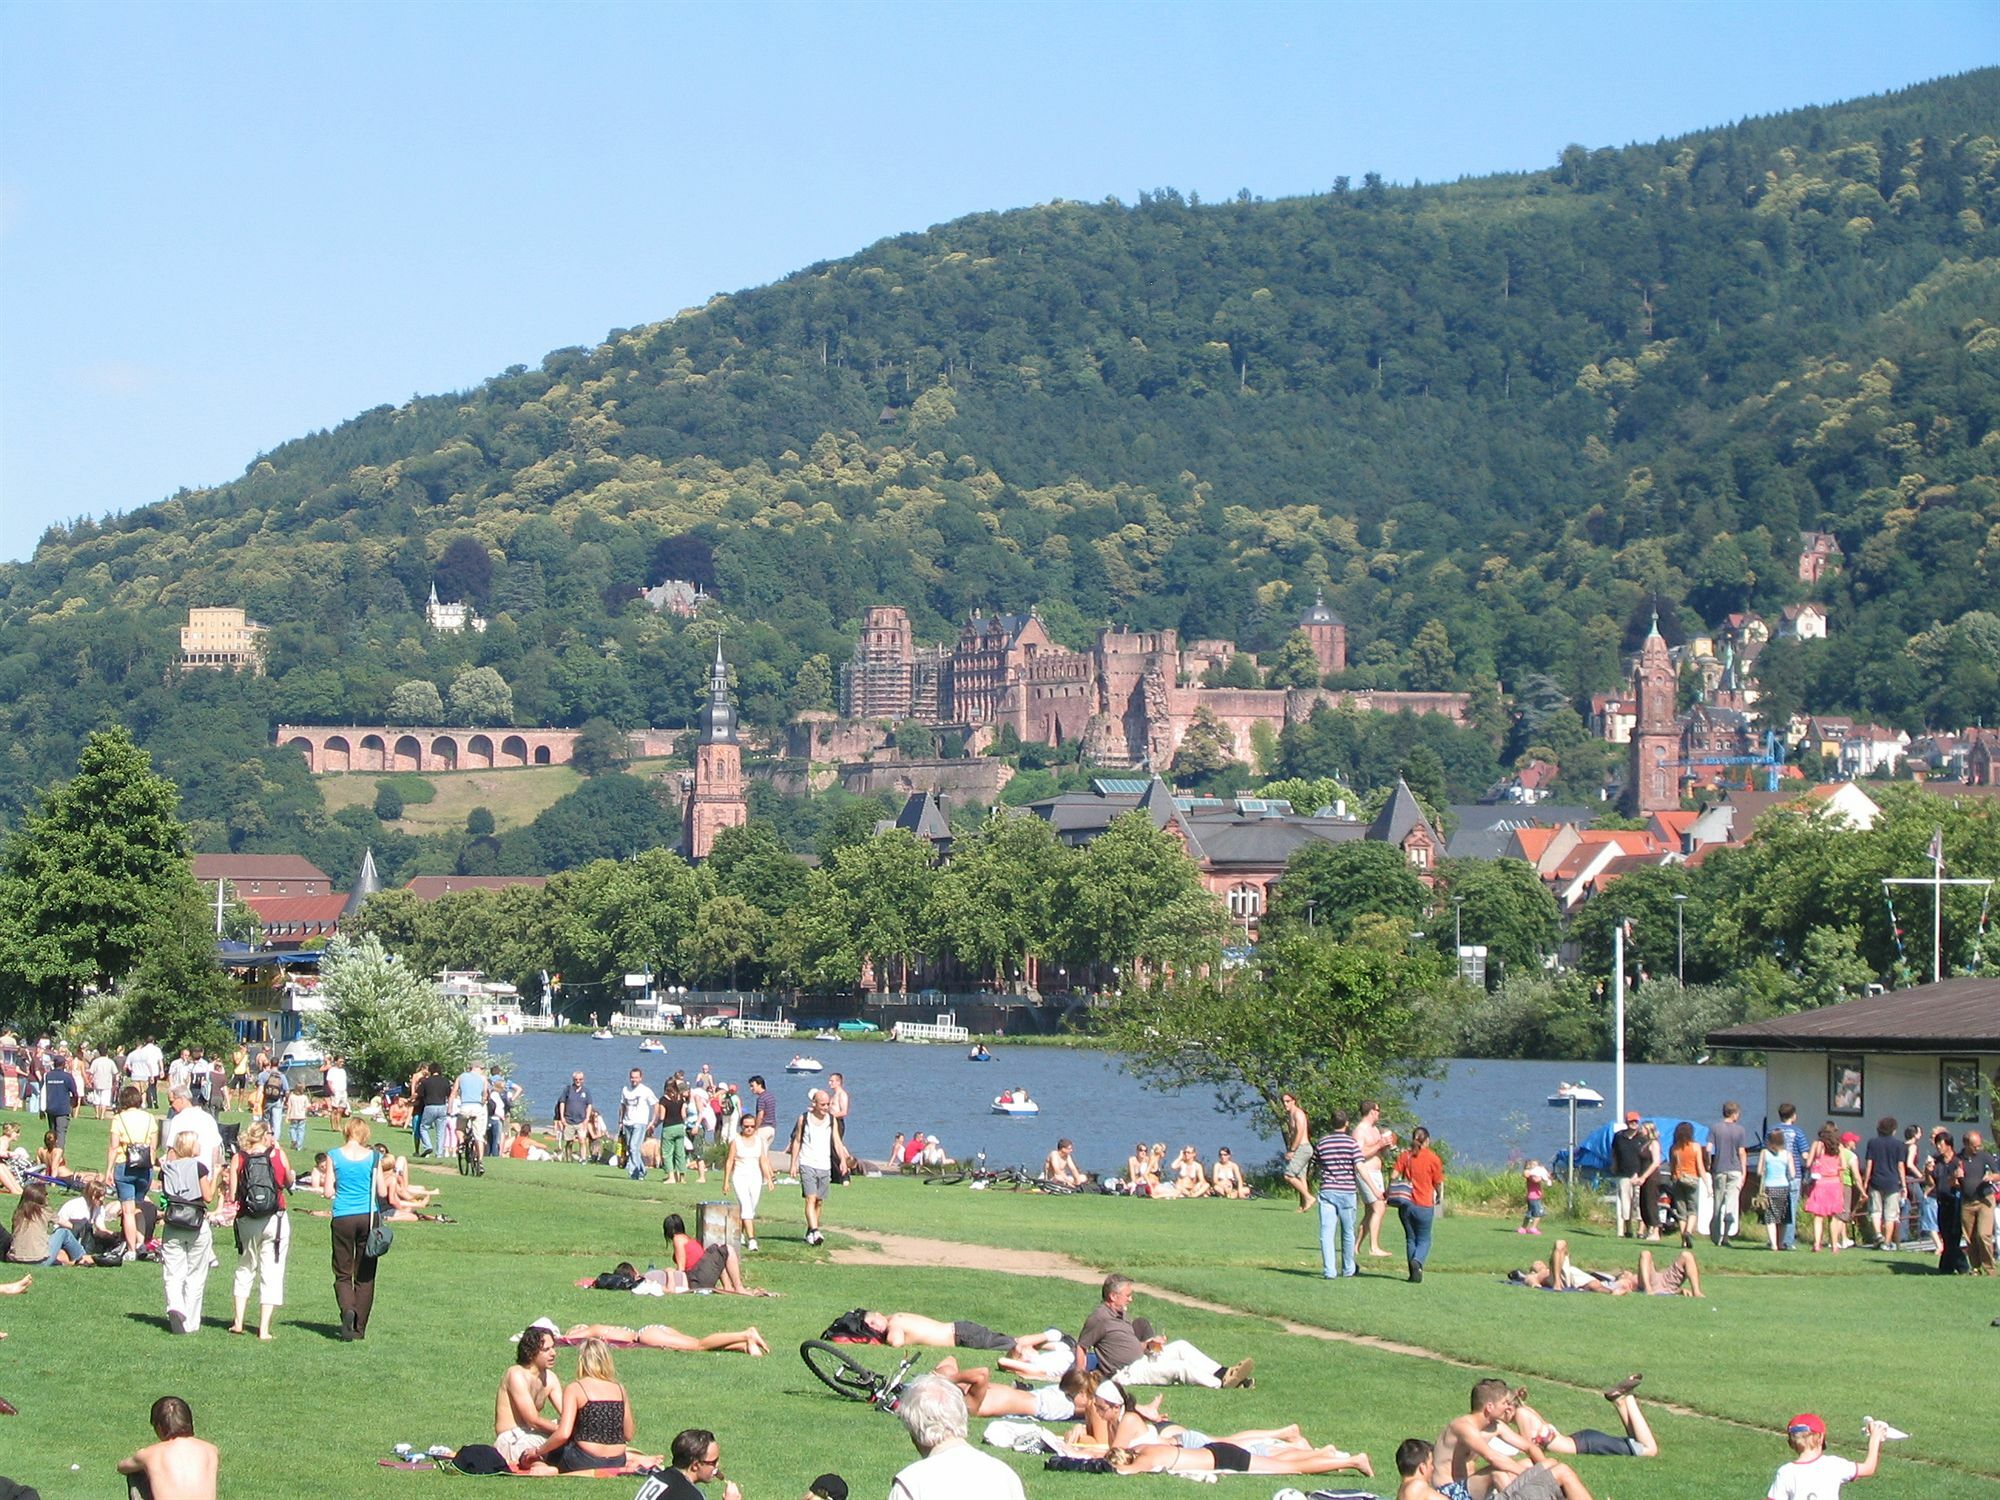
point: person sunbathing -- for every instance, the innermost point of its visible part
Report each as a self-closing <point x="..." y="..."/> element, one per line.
<point x="1061" y="1402"/>
<point x="1527" y="1431"/>
<point x="1190" y="1177"/>
<point x="1220" y="1456"/>
<point x="1111" y="1420"/>
<point x="900" y="1329"/>
<point x="1681" y="1278"/>
<point x="1227" y="1176"/>
<point x="660" y="1336"/>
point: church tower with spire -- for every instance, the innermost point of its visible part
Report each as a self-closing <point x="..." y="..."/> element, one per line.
<point x="713" y="794"/>
<point x="1653" y="782"/>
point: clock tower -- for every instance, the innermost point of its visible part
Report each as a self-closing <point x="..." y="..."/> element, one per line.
<point x="713" y="793"/>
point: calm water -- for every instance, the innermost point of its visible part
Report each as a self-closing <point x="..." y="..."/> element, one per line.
<point x="1489" y="1112"/>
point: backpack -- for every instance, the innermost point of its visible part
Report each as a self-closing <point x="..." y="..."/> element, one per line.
<point x="851" y="1328"/>
<point x="257" y="1197"/>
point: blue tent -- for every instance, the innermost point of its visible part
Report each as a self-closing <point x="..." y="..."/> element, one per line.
<point x="1593" y="1152"/>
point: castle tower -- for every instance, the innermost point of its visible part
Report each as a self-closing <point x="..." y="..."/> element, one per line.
<point x="1328" y="634"/>
<point x="1653" y="783"/>
<point x="715" y="797"/>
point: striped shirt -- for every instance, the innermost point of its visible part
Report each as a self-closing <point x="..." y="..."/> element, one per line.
<point x="1338" y="1156"/>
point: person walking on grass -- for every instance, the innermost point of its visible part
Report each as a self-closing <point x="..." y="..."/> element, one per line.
<point x="1422" y="1171"/>
<point x="130" y="1165"/>
<point x="1298" y="1149"/>
<point x="1728" y="1161"/>
<point x="748" y="1171"/>
<point x="1775" y="1180"/>
<point x="817" y="1148"/>
<point x="361" y="1181"/>
<point x="1374" y="1144"/>
<point x="187" y="1240"/>
<point x="259" y="1177"/>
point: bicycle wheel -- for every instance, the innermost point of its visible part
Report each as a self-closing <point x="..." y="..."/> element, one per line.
<point x="465" y="1156"/>
<point x="945" y="1179"/>
<point x="839" y="1374"/>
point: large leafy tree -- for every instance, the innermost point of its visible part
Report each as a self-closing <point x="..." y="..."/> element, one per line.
<point x="1330" y="885"/>
<point x="91" y="879"/>
<point x="1330" y="1023"/>
<point x="178" y="993"/>
<point x="387" y="1016"/>
<point x="865" y="907"/>
<point x="1134" y="895"/>
<point x="994" y="903"/>
<point x="1502" y="904"/>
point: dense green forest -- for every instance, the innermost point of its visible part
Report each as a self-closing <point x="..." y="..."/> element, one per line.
<point x="1513" y="414"/>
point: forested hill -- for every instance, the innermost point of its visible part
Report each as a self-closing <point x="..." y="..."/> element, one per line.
<point x="1526" y="407"/>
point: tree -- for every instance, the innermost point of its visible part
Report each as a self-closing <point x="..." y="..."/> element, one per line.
<point x="727" y="934"/>
<point x="388" y="801"/>
<point x="1432" y="667"/>
<point x="87" y="882"/>
<point x="994" y="903"/>
<point x="1205" y="748"/>
<point x="608" y="817"/>
<point x="479" y="823"/>
<point x="1505" y="908"/>
<point x="915" y="740"/>
<point x="179" y="995"/>
<point x="1423" y="773"/>
<point x="812" y="687"/>
<point x="1134" y="895"/>
<point x="465" y="571"/>
<point x="1328" y="1023"/>
<point x="1327" y="886"/>
<point x="600" y="746"/>
<point x="865" y="907"/>
<point x="1297" y="665"/>
<point x="386" y="1018"/>
<point x="480" y="695"/>
<point x="416" y="702"/>
<point x="751" y="861"/>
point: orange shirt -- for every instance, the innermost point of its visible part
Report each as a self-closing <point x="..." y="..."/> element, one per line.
<point x="1687" y="1160"/>
<point x="1424" y="1173"/>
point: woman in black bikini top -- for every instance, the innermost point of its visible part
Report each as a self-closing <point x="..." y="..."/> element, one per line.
<point x="596" y="1421"/>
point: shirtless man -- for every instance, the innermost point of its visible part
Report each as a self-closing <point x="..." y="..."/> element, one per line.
<point x="1374" y="1143"/>
<point x="1680" y="1279"/>
<point x="1416" y="1466"/>
<point x="1298" y="1150"/>
<point x="180" y="1466"/>
<point x="1529" y="1432"/>
<point x="527" y="1390"/>
<point x="1061" y="1165"/>
<point x="1227" y="1177"/>
<point x="900" y="1329"/>
<point x="1476" y="1466"/>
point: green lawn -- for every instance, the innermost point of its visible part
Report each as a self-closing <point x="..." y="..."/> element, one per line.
<point x="515" y="796"/>
<point x="1860" y="1333"/>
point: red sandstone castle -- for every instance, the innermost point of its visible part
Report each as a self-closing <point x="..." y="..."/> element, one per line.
<point x="1129" y="697"/>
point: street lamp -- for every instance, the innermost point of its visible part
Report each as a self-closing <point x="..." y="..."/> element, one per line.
<point x="1457" y="912"/>
<point x="1680" y="942"/>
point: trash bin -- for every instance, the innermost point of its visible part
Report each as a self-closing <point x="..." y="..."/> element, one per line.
<point x="719" y="1223"/>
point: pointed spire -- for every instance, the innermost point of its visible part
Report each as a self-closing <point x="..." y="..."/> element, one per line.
<point x="1656" y="623"/>
<point x="718" y="719"/>
<point x="366" y="883"/>
<point x="434" y="591"/>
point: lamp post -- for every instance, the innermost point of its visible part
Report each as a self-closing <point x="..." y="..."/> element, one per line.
<point x="1457" y="934"/>
<point x="1680" y="942"/>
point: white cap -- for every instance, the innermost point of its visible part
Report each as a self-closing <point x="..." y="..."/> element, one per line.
<point x="930" y="1140"/>
<point x="1109" y="1393"/>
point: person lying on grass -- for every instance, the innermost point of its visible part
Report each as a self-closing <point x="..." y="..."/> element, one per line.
<point x="1109" y="1423"/>
<point x="1526" y="1430"/>
<point x="1477" y="1467"/>
<point x="595" y="1429"/>
<point x="904" y="1328"/>
<point x="1681" y="1278"/>
<point x="1218" y="1456"/>
<point x="660" y="1336"/>
<point x="1062" y="1402"/>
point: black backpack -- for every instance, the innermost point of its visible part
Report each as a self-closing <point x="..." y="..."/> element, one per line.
<point x="258" y="1195"/>
<point x="851" y="1328"/>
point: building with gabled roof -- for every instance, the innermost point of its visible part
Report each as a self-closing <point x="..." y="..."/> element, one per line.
<point x="1403" y="824"/>
<point x="433" y="887"/>
<point x="250" y="875"/>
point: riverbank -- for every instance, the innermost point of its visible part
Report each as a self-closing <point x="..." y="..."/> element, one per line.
<point x="1722" y="1375"/>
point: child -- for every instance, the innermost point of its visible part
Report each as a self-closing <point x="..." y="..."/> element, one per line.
<point x="1815" y="1474"/>
<point x="1534" y="1177"/>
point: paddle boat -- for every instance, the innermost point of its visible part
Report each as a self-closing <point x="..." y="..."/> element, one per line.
<point x="652" y="1044"/>
<point x="604" y="1035"/>
<point x="979" y="1054"/>
<point x="827" y="1036"/>
<point x="800" y="1063"/>
<point x="1017" y="1103"/>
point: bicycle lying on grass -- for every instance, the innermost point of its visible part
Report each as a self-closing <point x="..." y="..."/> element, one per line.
<point x="846" y="1376"/>
<point x="1014" y="1179"/>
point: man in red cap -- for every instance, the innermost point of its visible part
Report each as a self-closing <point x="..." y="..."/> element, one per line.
<point x="1816" y="1474"/>
<point x="1628" y="1164"/>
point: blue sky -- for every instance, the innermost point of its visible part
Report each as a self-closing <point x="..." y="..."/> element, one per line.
<point x="223" y="226"/>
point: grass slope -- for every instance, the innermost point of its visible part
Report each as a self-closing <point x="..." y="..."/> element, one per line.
<point x="514" y="797"/>
<point x="1844" y="1336"/>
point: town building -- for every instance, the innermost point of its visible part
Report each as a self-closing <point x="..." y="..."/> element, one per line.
<point x="1925" y="1055"/>
<point x="1328" y="634"/>
<point x="1653" y="780"/>
<point x="714" y="794"/>
<point x="221" y="639"/>
<point x="1819" y="555"/>
<point x="676" y="596"/>
<point x="453" y="618"/>
<point x="257" y="875"/>
<point x="433" y="887"/>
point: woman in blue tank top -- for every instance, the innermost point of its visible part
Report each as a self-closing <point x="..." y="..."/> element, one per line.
<point x="357" y="1189"/>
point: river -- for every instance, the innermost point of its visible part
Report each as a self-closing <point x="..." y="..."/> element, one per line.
<point x="1490" y="1113"/>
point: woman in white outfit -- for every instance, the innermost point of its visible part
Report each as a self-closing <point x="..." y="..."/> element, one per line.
<point x="749" y="1173"/>
<point x="185" y="1253"/>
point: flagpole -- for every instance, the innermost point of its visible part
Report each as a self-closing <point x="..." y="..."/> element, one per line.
<point x="1618" y="1014"/>
<point x="1937" y="905"/>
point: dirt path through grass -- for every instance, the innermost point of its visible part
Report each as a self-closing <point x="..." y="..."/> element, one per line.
<point x="915" y="1251"/>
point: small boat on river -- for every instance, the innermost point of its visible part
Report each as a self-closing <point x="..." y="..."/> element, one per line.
<point x="979" y="1054"/>
<point x="800" y="1063"/>
<point x="1017" y="1103"/>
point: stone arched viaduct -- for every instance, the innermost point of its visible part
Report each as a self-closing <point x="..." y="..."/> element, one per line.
<point x="378" y="747"/>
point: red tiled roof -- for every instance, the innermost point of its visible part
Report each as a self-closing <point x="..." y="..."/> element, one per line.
<point x="430" y="887"/>
<point x="234" y="867"/>
<point x="272" y="910"/>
